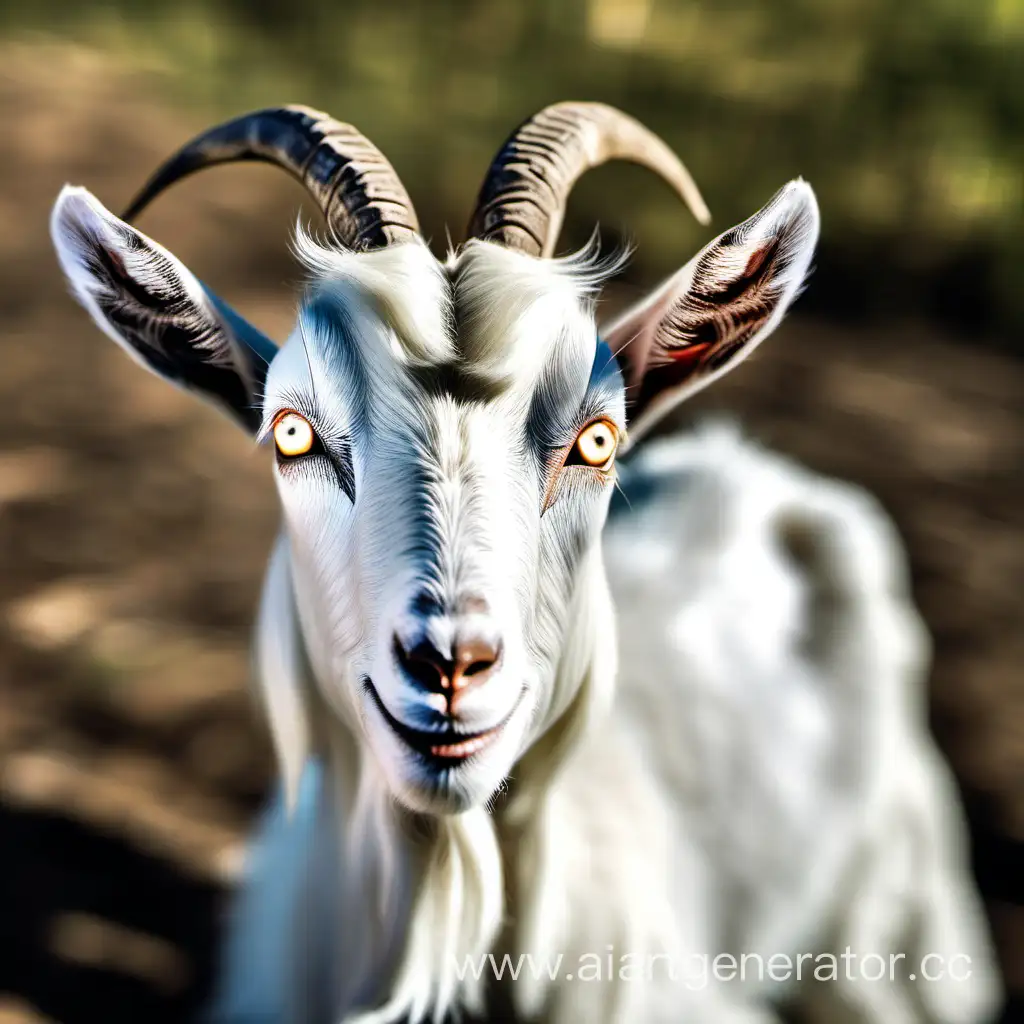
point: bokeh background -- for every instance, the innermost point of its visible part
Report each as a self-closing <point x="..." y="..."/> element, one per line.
<point x="134" y="523"/>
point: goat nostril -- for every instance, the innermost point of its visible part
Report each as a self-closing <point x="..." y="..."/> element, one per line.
<point x="423" y="664"/>
<point x="475" y="658"/>
<point x="426" y="674"/>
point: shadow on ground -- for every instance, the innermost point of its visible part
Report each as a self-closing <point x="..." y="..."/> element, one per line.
<point x="93" y="929"/>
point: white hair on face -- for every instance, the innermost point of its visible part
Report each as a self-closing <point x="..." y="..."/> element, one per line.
<point x="513" y="306"/>
<point x="509" y="303"/>
<point x="405" y="281"/>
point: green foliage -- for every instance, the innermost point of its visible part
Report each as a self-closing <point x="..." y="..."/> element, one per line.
<point x="905" y="116"/>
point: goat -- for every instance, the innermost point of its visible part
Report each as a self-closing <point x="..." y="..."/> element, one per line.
<point x="467" y="766"/>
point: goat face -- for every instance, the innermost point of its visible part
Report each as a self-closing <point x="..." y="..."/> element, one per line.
<point x="444" y="466"/>
<point x="445" y="439"/>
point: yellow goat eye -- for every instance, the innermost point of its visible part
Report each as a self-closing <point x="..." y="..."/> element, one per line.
<point x="596" y="445"/>
<point x="293" y="435"/>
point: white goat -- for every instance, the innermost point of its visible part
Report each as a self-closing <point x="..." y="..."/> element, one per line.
<point x="466" y="770"/>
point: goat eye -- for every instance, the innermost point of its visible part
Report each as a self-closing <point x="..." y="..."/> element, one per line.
<point x="596" y="445"/>
<point x="293" y="435"/>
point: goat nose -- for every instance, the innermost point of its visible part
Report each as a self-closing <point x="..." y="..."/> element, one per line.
<point x="472" y="662"/>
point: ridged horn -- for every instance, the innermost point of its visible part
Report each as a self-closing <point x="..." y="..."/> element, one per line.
<point x="522" y="202"/>
<point x="361" y="197"/>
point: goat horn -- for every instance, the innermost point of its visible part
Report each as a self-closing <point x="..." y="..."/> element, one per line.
<point x="361" y="197"/>
<point x="522" y="202"/>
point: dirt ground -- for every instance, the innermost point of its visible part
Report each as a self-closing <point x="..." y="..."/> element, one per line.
<point x="134" y="524"/>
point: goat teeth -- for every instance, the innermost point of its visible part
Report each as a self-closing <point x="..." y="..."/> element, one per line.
<point x="463" y="749"/>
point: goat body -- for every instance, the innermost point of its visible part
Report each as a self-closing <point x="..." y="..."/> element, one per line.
<point x="469" y="767"/>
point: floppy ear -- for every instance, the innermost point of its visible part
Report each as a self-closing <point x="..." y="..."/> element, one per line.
<point x="717" y="309"/>
<point x="156" y="309"/>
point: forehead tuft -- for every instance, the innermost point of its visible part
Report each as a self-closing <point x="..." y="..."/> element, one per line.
<point x="494" y="312"/>
<point x="403" y="285"/>
<point x="511" y="309"/>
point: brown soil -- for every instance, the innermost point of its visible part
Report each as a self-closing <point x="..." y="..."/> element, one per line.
<point x="134" y="524"/>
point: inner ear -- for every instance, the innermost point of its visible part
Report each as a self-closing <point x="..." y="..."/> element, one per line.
<point x="718" y="315"/>
<point x="156" y="309"/>
<point x="718" y="308"/>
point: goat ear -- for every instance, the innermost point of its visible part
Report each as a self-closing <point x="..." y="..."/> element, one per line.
<point x="717" y="309"/>
<point x="156" y="309"/>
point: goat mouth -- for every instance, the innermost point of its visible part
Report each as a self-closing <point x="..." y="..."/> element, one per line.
<point x="443" y="748"/>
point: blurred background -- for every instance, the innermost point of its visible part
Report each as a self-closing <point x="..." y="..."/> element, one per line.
<point x="134" y="523"/>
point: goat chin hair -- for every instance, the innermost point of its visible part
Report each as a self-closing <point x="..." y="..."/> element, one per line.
<point x="451" y="870"/>
<point x="431" y="889"/>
